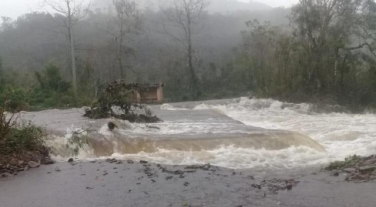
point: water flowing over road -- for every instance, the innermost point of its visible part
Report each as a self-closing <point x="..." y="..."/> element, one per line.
<point x="235" y="133"/>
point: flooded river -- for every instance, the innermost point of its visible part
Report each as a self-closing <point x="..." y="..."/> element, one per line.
<point x="236" y="133"/>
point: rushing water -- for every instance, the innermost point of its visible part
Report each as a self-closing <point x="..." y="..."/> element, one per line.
<point x="228" y="133"/>
<point x="341" y="134"/>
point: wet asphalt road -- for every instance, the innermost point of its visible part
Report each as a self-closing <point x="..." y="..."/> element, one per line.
<point x="103" y="184"/>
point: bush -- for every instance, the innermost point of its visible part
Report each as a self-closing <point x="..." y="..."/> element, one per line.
<point x="6" y="124"/>
<point x="51" y="80"/>
<point x="44" y="90"/>
<point x="78" y="141"/>
<point x="120" y="96"/>
<point x="349" y="162"/>
<point x="16" y="137"/>
<point x="26" y="137"/>
<point x="52" y="91"/>
<point x="15" y="98"/>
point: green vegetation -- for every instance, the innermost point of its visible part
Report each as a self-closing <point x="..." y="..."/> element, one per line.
<point x="21" y="144"/>
<point x="117" y="94"/>
<point x="76" y="142"/>
<point x="357" y="168"/>
<point x="51" y="89"/>
<point x="319" y="58"/>
<point x="41" y="90"/>
<point x="325" y="52"/>
<point x="352" y="161"/>
<point x="120" y="96"/>
<point x="19" y="138"/>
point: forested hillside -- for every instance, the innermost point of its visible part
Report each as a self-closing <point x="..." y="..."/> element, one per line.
<point x="318" y="50"/>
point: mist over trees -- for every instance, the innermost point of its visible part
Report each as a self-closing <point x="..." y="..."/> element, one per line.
<point x="73" y="11"/>
<point x="329" y="53"/>
<point x="320" y="49"/>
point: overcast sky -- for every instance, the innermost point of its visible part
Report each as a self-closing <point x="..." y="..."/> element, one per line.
<point x="14" y="8"/>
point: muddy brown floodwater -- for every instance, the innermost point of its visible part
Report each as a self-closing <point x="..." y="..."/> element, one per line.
<point x="267" y="151"/>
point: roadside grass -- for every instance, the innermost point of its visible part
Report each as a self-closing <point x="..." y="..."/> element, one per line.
<point x="22" y="141"/>
<point x="350" y="161"/>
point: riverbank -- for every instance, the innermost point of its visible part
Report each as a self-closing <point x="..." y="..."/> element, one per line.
<point x="12" y="164"/>
<point x="22" y="145"/>
<point x="128" y="183"/>
<point x="325" y="103"/>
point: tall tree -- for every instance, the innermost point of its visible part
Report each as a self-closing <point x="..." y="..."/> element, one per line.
<point x="1" y="73"/>
<point x="73" y="11"/>
<point x="185" y="15"/>
<point x="259" y="42"/>
<point x="326" y="30"/>
<point x="127" y="22"/>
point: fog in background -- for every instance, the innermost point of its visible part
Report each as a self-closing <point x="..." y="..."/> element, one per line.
<point x="229" y="49"/>
<point x="15" y="8"/>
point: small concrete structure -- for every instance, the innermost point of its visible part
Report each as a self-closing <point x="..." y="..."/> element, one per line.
<point x="150" y="93"/>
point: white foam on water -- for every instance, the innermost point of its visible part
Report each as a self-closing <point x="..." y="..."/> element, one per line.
<point x="188" y="128"/>
<point x="201" y="107"/>
<point x="172" y="108"/>
<point x="236" y="158"/>
<point x="66" y="148"/>
<point x="341" y="134"/>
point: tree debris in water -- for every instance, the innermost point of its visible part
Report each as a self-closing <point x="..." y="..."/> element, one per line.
<point x="118" y="101"/>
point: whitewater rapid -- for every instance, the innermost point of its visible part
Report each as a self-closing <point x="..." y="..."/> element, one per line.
<point x="342" y="134"/>
<point x="234" y="127"/>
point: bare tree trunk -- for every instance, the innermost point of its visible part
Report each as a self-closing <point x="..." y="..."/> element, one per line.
<point x="71" y="10"/>
<point x="73" y="52"/>
<point x="127" y="22"/>
<point x="120" y="52"/>
<point x="73" y="58"/>
<point x="185" y="14"/>
<point x="194" y="83"/>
